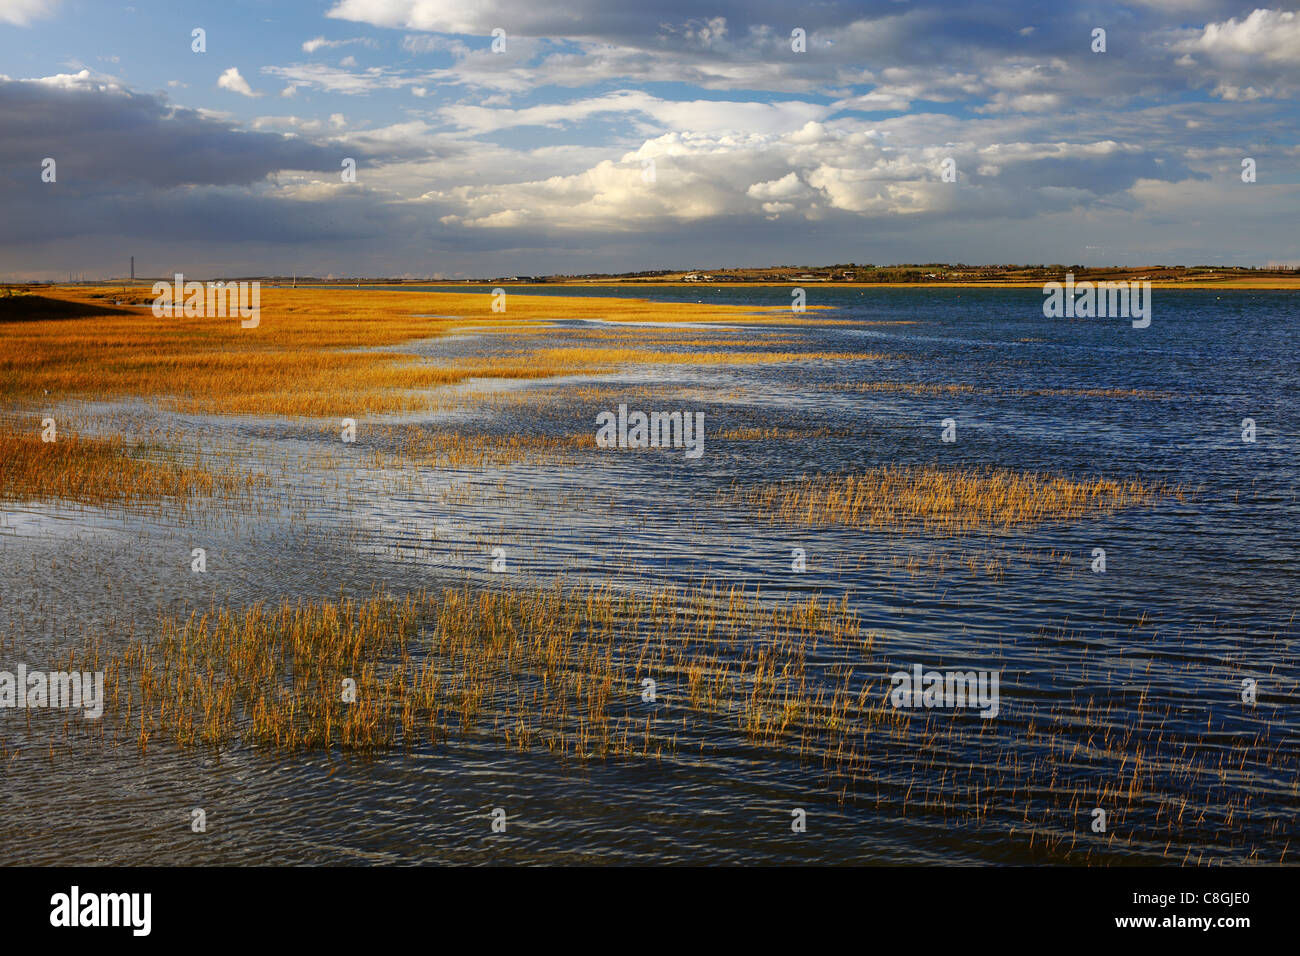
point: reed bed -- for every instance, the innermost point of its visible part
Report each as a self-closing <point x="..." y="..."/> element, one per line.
<point x="99" y="471"/>
<point x="796" y="682"/>
<point x="453" y="449"/>
<point x="315" y="353"/>
<point x="553" y="668"/>
<point x="769" y="433"/>
<point x="946" y="500"/>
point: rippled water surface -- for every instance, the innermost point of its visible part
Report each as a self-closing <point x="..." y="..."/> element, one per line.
<point x="1199" y="594"/>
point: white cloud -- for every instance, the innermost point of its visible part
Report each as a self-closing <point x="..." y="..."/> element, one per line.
<point x="878" y="100"/>
<point x="337" y="80"/>
<point x="686" y="116"/>
<point x="1267" y="36"/>
<point x="809" y="172"/>
<point x="787" y="187"/>
<point x="21" y="13"/>
<point x="83" y="80"/>
<point x="416" y="43"/>
<point x="1248" y="59"/>
<point x="320" y="43"/>
<point x="288" y="124"/>
<point x="449" y="16"/>
<point x="232" y="81"/>
<point x="1022" y="103"/>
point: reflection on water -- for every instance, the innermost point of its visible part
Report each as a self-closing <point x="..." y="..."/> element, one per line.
<point x="1198" y="595"/>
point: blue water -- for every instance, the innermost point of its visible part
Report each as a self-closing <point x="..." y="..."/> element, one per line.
<point x="1199" y="594"/>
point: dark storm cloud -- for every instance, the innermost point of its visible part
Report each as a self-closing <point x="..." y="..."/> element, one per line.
<point x="132" y="164"/>
<point x="103" y="137"/>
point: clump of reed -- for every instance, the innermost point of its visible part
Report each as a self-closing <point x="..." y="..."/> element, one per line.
<point x="946" y="500"/>
<point x="796" y="682"/>
<point x="103" y="470"/>
<point x="545" y="667"/>
<point x="456" y="449"/>
<point x="771" y="433"/>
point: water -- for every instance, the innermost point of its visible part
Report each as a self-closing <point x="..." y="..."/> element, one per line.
<point x="1198" y="595"/>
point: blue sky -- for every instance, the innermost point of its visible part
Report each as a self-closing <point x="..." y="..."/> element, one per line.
<point x="613" y="136"/>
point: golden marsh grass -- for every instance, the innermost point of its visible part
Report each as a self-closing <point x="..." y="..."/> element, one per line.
<point x="946" y="500"/>
<point x="315" y="353"/>
<point x="102" y="470"/>
<point x="454" y="449"/>
<point x="562" y="670"/>
<point x="549" y="667"/>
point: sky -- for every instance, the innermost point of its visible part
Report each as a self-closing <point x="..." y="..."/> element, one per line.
<point x="448" y="138"/>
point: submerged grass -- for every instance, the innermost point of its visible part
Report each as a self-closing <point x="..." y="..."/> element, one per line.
<point x="103" y="470"/>
<point x="561" y="669"/>
<point x="794" y="682"/>
<point x="315" y="354"/>
<point x="423" y="447"/>
<point x="946" y="500"/>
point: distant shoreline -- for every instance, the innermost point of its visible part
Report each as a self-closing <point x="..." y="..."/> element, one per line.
<point x="1238" y="285"/>
<point x="1270" y="285"/>
<point x="1275" y="284"/>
